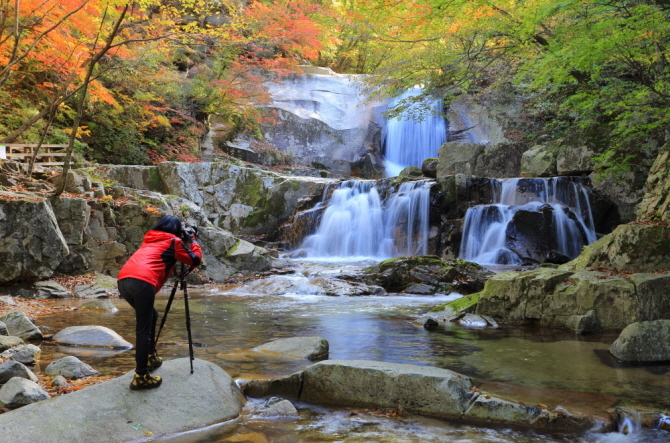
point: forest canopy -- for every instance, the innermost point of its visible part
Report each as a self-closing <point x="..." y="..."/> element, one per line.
<point x="596" y="70"/>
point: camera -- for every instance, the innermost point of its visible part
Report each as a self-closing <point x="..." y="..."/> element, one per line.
<point x="189" y="233"/>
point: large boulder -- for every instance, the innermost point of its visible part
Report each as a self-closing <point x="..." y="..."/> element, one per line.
<point x="73" y="216"/>
<point x="91" y="336"/>
<point x="311" y="348"/>
<point x="458" y="158"/>
<point x="575" y="160"/>
<point x="539" y="161"/>
<point x="634" y="247"/>
<point x="647" y="341"/>
<point x="110" y="412"/>
<point x="583" y="301"/>
<point x="19" y="325"/>
<point x="71" y="368"/>
<point x="19" y="392"/>
<point x="33" y="245"/>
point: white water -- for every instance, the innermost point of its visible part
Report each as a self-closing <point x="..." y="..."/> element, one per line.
<point x="357" y="224"/>
<point x="484" y="232"/>
<point x="408" y="140"/>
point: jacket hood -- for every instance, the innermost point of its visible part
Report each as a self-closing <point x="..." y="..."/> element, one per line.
<point x="154" y="236"/>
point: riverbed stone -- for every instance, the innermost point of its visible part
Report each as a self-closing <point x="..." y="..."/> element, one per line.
<point x="490" y="408"/>
<point x="91" y="336"/>
<point x="9" y="341"/>
<point x="109" y="412"/>
<point x="3" y="329"/>
<point x="59" y="381"/>
<point x="8" y="300"/>
<point x="18" y="392"/>
<point x="71" y="368"/>
<point x="286" y="386"/>
<point x="19" y="325"/>
<point x="10" y="369"/>
<point x="417" y="389"/>
<point x="311" y="348"/>
<point x="27" y="354"/>
<point x="99" y="305"/>
<point x="277" y="407"/>
<point x="647" y="341"/>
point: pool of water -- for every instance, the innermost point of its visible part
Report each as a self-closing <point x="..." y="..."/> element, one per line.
<point x="227" y="323"/>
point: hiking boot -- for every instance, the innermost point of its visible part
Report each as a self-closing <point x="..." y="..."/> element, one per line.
<point x="155" y="362"/>
<point x="145" y="381"/>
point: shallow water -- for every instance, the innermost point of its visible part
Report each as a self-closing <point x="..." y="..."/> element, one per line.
<point x="227" y="324"/>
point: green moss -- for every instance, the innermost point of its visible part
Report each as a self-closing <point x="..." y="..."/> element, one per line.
<point x="232" y="249"/>
<point x="318" y="165"/>
<point x="323" y="174"/>
<point x="459" y="304"/>
<point x="155" y="182"/>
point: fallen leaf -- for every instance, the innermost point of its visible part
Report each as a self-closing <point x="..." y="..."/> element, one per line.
<point x="542" y="406"/>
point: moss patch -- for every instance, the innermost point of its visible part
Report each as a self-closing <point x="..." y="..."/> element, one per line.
<point x="459" y="304"/>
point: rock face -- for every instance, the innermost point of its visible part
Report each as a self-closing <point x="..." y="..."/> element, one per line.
<point x="33" y="246"/>
<point x="324" y="118"/>
<point x="583" y="301"/>
<point x="71" y="368"/>
<point x="19" y="325"/>
<point x="19" y="392"/>
<point x="647" y="341"/>
<point x="416" y="389"/>
<point x="427" y="275"/>
<point x="655" y="205"/>
<point x="311" y="348"/>
<point x="91" y="336"/>
<point x="110" y="412"/>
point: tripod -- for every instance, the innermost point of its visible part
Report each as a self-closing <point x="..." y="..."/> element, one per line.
<point x="180" y="282"/>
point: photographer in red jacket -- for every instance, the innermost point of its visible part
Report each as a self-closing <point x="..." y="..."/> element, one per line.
<point x="143" y="275"/>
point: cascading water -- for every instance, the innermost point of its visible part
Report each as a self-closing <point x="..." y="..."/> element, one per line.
<point x="557" y="209"/>
<point x="409" y="141"/>
<point x="357" y="223"/>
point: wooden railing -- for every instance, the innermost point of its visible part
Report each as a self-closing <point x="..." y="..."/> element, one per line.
<point x="48" y="155"/>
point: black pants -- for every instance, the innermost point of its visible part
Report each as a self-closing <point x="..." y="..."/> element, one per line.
<point x="141" y="295"/>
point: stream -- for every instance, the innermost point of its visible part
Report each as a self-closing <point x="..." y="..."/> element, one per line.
<point x="227" y="322"/>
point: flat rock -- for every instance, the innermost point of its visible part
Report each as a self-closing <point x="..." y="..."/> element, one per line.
<point x="99" y="305"/>
<point x="109" y="412"/>
<point x="311" y="348"/>
<point x="11" y="369"/>
<point x="71" y="368"/>
<point x="19" y="392"/>
<point x="27" y="354"/>
<point x="277" y="407"/>
<point x="19" y="325"/>
<point x="646" y="341"/>
<point x="91" y="336"/>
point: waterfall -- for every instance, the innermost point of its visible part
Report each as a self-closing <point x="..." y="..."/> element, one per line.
<point x="557" y="210"/>
<point x="409" y="141"/>
<point x="357" y="222"/>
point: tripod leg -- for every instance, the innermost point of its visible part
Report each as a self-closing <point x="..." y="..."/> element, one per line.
<point x="167" y="309"/>
<point x="188" y="326"/>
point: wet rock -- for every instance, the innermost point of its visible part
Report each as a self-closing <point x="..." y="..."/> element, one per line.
<point x="277" y="407"/>
<point x="311" y="348"/>
<point x="431" y="324"/>
<point x="8" y="342"/>
<point x="59" y="381"/>
<point x="429" y="167"/>
<point x="472" y="321"/>
<point x="3" y="329"/>
<point x="411" y="171"/>
<point x="647" y="341"/>
<point x="71" y="368"/>
<point x="99" y="305"/>
<point x="337" y="287"/>
<point x="437" y="275"/>
<point x="287" y="386"/>
<point x="91" y="336"/>
<point x="33" y="245"/>
<point x="417" y="389"/>
<point x="103" y="287"/>
<point x="420" y="288"/>
<point x="582" y="323"/>
<point x="19" y="325"/>
<point x="12" y="369"/>
<point x="530" y="234"/>
<point x="26" y="354"/>
<point x="19" y="392"/>
<point x="490" y="408"/>
<point x="188" y="401"/>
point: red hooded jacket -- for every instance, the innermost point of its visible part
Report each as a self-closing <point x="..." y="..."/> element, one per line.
<point x="154" y="260"/>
